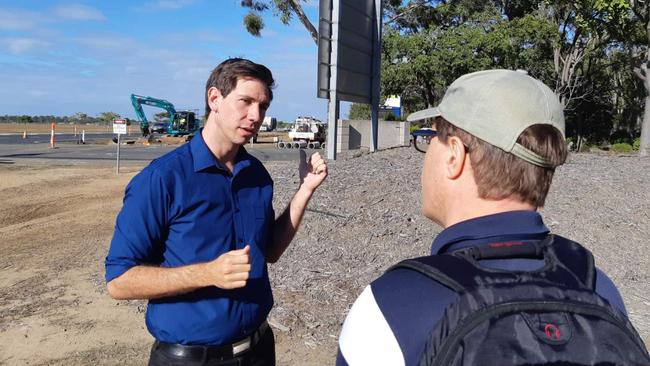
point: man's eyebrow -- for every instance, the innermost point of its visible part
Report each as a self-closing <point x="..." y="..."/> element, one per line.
<point x="247" y="96"/>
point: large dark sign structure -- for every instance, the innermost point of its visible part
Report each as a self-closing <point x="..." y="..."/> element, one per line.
<point x="349" y="50"/>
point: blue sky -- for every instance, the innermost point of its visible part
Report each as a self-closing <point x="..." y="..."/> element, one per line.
<point x="62" y="57"/>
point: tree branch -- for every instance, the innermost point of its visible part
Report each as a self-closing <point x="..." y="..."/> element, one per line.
<point x="639" y="74"/>
<point x="295" y="6"/>
<point x="404" y="12"/>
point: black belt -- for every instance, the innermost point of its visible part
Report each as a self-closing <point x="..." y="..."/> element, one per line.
<point x="202" y="353"/>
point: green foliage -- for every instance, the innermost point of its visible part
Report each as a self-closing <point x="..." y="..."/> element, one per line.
<point x="254" y="24"/>
<point x="25" y="119"/>
<point x="413" y="127"/>
<point x="50" y="119"/>
<point x="108" y="117"/>
<point x="621" y="148"/>
<point x="636" y="144"/>
<point x="418" y="64"/>
<point x="282" y="124"/>
<point x="359" y="111"/>
<point x="282" y="9"/>
<point x="427" y="45"/>
<point x="80" y="118"/>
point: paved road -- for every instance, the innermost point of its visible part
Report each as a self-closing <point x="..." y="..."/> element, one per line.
<point x="98" y="148"/>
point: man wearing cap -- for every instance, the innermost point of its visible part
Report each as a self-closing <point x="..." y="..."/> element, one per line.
<point x="497" y="137"/>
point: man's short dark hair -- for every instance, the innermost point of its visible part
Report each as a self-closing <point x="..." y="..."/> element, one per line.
<point x="224" y="77"/>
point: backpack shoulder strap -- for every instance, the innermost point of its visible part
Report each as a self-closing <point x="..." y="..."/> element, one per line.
<point x="575" y="258"/>
<point x="566" y="261"/>
<point x="453" y="271"/>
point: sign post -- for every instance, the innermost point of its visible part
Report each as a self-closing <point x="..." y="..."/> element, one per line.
<point x="119" y="128"/>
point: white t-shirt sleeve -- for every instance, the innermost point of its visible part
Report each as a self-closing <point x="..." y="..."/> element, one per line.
<point x="366" y="337"/>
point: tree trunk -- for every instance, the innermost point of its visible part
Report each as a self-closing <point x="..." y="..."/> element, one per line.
<point x="295" y="5"/>
<point x="642" y="73"/>
<point x="644" y="148"/>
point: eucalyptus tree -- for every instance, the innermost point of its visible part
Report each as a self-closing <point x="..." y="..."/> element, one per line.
<point x="108" y="117"/>
<point x="428" y="44"/>
<point x="641" y="12"/>
<point x="284" y="9"/>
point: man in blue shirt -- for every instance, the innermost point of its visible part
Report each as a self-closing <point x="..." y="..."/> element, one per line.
<point x="198" y="227"/>
<point x="498" y="136"/>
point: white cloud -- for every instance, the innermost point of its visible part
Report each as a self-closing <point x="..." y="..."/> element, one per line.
<point x="18" y="20"/>
<point x="128" y="63"/>
<point x="25" y="20"/>
<point x="78" y="12"/>
<point x="108" y="43"/>
<point x="22" y="45"/>
<point x="166" y="5"/>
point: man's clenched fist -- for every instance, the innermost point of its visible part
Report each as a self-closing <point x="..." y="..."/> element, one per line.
<point x="230" y="270"/>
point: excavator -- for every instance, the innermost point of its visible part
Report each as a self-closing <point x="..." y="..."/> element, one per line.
<point x="181" y="123"/>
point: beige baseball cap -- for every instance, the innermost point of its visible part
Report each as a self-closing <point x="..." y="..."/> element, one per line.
<point x="496" y="106"/>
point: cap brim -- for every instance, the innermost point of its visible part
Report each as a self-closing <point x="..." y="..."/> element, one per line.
<point x="423" y="114"/>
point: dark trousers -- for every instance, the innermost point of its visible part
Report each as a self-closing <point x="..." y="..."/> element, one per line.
<point x="261" y="354"/>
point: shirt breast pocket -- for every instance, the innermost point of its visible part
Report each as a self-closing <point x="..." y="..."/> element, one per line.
<point x="261" y="221"/>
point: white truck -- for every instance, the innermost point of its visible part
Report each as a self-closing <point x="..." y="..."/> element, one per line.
<point x="268" y="124"/>
<point x="306" y="132"/>
<point x="307" y="129"/>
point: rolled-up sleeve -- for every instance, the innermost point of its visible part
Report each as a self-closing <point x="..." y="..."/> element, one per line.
<point x="141" y="225"/>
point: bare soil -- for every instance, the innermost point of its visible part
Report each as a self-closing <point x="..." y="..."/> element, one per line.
<point x="56" y="222"/>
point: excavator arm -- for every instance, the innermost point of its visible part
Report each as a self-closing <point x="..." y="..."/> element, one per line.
<point x="138" y="100"/>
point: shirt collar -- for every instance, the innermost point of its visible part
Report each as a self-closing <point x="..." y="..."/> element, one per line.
<point x="501" y="226"/>
<point x="203" y="159"/>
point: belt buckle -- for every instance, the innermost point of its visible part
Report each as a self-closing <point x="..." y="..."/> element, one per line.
<point x="241" y="346"/>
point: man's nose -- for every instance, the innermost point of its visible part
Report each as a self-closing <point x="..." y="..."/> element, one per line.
<point x="255" y="113"/>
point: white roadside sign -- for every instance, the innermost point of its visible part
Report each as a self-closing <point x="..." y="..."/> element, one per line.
<point x="119" y="127"/>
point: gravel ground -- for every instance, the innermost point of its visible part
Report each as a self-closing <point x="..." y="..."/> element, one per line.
<point x="367" y="217"/>
<point x="56" y="222"/>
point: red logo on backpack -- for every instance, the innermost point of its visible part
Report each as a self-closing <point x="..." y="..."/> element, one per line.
<point x="551" y="330"/>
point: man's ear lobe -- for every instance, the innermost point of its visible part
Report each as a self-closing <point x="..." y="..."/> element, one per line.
<point x="214" y="95"/>
<point x="456" y="157"/>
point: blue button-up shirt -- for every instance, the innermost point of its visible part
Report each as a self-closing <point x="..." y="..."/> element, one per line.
<point x="186" y="208"/>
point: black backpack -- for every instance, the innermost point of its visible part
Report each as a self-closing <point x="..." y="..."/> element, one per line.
<point x="550" y="316"/>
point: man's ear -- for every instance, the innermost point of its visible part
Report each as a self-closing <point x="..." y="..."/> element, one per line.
<point x="456" y="155"/>
<point x="214" y="97"/>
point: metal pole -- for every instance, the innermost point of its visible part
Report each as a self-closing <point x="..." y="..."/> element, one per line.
<point x="118" y="153"/>
<point x="376" y="72"/>
<point x="333" y="105"/>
